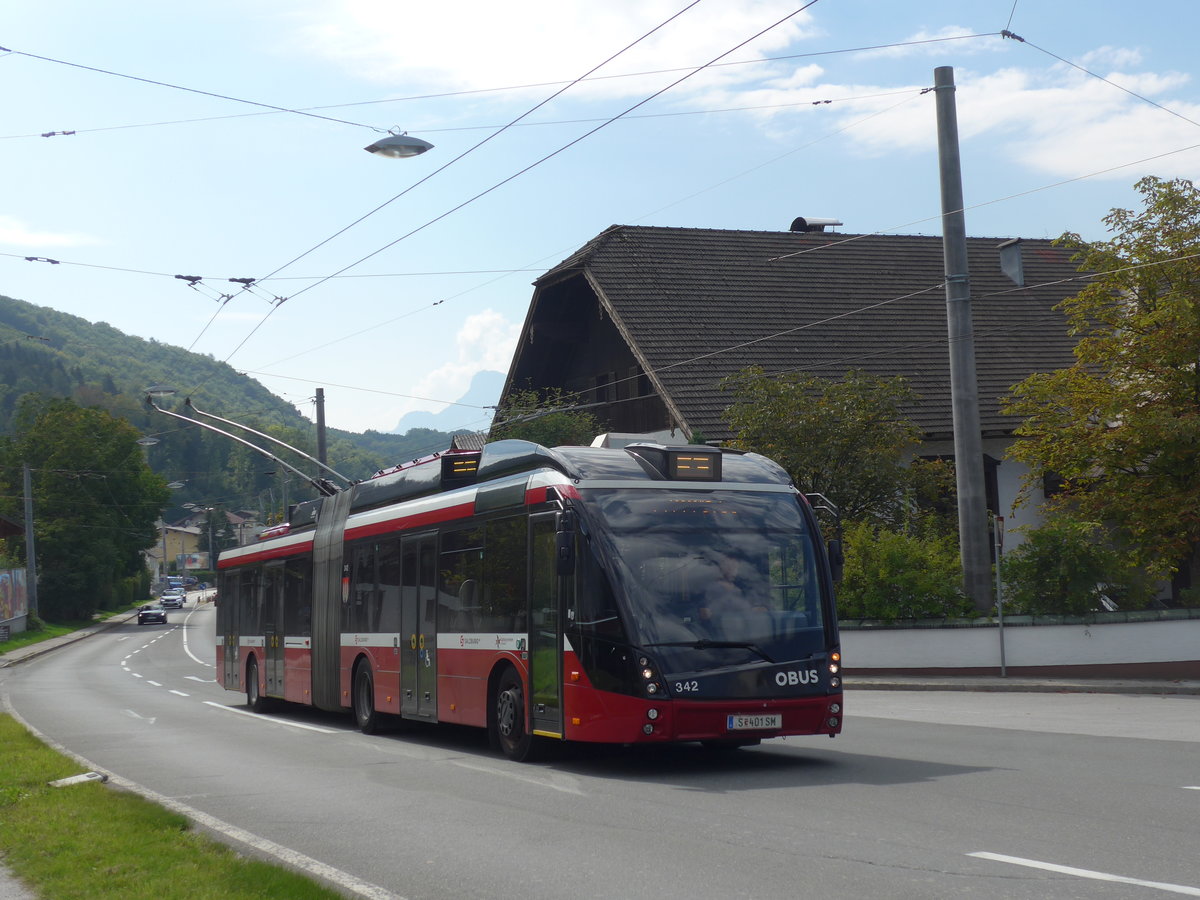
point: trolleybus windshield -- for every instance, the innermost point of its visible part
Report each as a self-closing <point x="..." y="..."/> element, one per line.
<point x="714" y="578"/>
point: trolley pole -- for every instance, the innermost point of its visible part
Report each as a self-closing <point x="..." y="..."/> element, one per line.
<point x="964" y="391"/>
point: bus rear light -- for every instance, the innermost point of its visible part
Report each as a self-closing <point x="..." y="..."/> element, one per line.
<point x="835" y="657"/>
<point x="575" y="676"/>
<point x="833" y="721"/>
<point x="835" y="707"/>
<point x="652" y="714"/>
<point x="835" y="682"/>
<point x="833" y="667"/>
<point x="652" y="687"/>
<point x="647" y="729"/>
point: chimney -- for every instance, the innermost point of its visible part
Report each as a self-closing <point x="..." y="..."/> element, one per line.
<point x="1011" y="261"/>
<point x="800" y="223"/>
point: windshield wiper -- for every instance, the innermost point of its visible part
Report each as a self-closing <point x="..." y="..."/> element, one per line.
<point x="706" y="644"/>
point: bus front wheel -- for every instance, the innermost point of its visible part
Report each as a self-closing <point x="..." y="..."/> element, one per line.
<point x="364" y="700"/>
<point x="508" y="730"/>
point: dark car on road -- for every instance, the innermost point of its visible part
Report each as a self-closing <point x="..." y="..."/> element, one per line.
<point x="150" y="614"/>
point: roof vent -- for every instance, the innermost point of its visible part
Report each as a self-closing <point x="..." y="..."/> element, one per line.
<point x="800" y="223"/>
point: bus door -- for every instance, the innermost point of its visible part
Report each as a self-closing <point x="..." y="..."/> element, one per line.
<point x="418" y="626"/>
<point x="228" y="603"/>
<point x="545" y="627"/>
<point x="273" y="631"/>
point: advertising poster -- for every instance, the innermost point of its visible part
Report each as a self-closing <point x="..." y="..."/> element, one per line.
<point x="13" y="602"/>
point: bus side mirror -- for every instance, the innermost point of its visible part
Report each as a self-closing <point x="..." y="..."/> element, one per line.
<point x="837" y="561"/>
<point x="564" y="543"/>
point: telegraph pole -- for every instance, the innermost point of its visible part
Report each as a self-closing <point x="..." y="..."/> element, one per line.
<point x="964" y="389"/>
<point x="320" y="432"/>
<point x="31" y="596"/>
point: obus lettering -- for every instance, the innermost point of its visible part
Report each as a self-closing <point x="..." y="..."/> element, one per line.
<point x="805" y="676"/>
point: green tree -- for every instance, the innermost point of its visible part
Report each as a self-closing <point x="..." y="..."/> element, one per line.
<point x="1121" y="426"/>
<point x="95" y="504"/>
<point x="845" y="439"/>
<point x="551" y="418"/>
<point x="1069" y="567"/>
<point x="893" y="575"/>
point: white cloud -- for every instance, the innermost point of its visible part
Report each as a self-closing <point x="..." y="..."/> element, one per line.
<point x="485" y="341"/>
<point x="474" y="44"/>
<point x="1104" y="57"/>
<point x="933" y="43"/>
<point x="14" y="232"/>
<point x="1055" y="120"/>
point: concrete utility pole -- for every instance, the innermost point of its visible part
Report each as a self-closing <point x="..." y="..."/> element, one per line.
<point x="320" y="434"/>
<point x="964" y="390"/>
<point x="31" y="595"/>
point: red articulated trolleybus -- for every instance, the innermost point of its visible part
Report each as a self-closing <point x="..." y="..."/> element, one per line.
<point x="640" y="595"/>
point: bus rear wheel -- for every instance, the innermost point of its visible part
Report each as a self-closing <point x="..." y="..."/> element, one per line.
<point x="254" y="698"/>
<point x="508" y="732"/>
<point x="364" y="700"/>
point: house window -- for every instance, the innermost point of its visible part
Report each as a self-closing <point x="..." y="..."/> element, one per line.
<point x="603" y="391"/>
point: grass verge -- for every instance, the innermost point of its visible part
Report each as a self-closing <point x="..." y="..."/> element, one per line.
<point x="92" y="841"/>
<point x="47" y="630"/>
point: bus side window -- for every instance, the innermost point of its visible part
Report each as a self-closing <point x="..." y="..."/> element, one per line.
<point x="388" y="589"/>
<point x="461" y="560"/>
<point x="502" y="605"/>
<point x="361" y="611"/>
<point x="297" y="597"/>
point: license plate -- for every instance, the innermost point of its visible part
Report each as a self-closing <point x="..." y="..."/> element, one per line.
<point x="754" y="722"/>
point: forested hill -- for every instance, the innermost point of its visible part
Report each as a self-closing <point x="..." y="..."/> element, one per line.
<point x="47" y="352"/>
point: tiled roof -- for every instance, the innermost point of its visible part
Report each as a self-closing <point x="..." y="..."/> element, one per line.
<point x="697" y="305"/>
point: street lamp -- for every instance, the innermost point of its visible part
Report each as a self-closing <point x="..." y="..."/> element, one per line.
<point x="398" y="146"/>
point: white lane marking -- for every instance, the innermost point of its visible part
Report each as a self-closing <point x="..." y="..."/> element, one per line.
<point x="566" y="788"/>
<point x="186" y="648"/>
<point x="180" y="693"/>
<point x="1088" y="873"/>
<point x="155" y="683"/>
<point x="1191" y="787"/>
<point x="243" y="712"/>
<point x="199" y="679"/>
<point x="132" y="714"/>
<point x="286" y="855"/>
<point x="137" y="675"/>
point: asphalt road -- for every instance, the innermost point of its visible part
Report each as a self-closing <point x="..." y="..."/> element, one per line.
<point x="925" y="795"/>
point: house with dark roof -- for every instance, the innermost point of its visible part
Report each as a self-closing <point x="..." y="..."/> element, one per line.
<point x="643" y="323"/>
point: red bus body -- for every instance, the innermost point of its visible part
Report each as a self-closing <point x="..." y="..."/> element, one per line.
<point x="552" y="594"/>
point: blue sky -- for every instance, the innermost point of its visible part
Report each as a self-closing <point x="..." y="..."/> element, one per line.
<point x="432" y="258"/>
